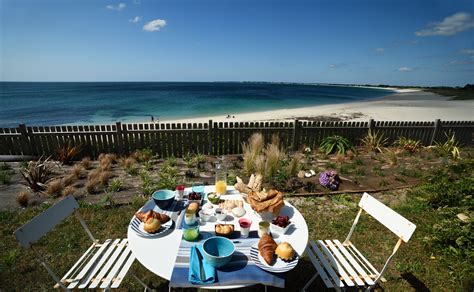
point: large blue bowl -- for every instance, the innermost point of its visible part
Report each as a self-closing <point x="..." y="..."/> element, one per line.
<point x="218" y="251"/>
<point x="163" y="198"/>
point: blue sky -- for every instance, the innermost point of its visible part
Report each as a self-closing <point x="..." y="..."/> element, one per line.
<point x="377" y="42"/>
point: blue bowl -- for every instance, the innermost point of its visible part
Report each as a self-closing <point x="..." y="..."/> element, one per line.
<point x="218" y="251"/>
<point x="163" y="198"/>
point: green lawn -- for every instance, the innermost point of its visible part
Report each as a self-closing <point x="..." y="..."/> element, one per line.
<point x="438" y="257"/>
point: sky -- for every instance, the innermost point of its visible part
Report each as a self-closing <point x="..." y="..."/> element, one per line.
<point x="412" y="42"/>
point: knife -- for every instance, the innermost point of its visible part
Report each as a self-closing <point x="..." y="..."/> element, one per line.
<point x="201" y="268"/>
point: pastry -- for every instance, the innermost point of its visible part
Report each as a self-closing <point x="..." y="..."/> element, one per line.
<point x="255" y="184"/>
<point x="272" y="201"/>
<point x="144" y="216"/>
<point x="267" y="247"/>
<point x="228" y="205"/>
<point x="152" y="225"/>
<point x="224" y="229"/>
<point x="285" y="251"/>
<point x="193" y="206"/>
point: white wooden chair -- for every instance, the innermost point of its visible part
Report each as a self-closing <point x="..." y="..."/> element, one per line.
<point x="103" y="265"/>
<point x="342" y="265"/>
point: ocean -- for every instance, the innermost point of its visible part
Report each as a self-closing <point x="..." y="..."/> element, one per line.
<point x="60" y="103"/>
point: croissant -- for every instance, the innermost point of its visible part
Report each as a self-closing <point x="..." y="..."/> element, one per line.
<point x="267" y="247"/>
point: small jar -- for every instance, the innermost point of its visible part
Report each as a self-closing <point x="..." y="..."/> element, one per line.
<point x="180" y="191"/>
<point x="263" y="228"/>
<point x="189" y="217"/>
<point x="191" y="232"/>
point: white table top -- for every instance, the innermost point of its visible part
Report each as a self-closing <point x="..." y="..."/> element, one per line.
<point x="159" y="254"/>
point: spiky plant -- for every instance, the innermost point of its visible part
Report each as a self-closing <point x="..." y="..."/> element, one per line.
<point x="251" y="150"/>
<point x="68" y="152"/>
<point x="374" y="141"/>
<point x="448" y="148"/>
<point x="335" y="143"/>
<point x="294" y="166"/>
<point x="54" y="188"/>
<point x="37" y="173"/>
<point x="260" y="164"/>
<point x="273" y="155"/>
<point x="23" y="199"/>
<point x="86" y="162"/>
<point x="407" y="144"/>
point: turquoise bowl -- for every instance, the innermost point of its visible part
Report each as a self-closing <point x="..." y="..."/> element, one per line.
<point x="218" y="251"/>
<point x="163" y="198"/>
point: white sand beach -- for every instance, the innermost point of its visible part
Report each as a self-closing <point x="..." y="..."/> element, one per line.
<point x="405" y="105"/>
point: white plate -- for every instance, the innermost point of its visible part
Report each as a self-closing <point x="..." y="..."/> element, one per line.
<point x="279" y="265"/>
<point x="138" y="225"/>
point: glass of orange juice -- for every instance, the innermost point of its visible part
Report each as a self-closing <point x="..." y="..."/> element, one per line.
<point x="221" y="179"/>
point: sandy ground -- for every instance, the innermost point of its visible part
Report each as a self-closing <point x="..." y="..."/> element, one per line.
<point x="405" y="105"/>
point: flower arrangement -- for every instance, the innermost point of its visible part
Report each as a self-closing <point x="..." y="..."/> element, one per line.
<point x="330" y="179"/>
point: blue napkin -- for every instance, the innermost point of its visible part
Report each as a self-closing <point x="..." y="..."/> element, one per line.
<point x="194" y="270"/>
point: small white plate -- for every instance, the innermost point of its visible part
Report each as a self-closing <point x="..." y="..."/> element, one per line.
<point x="279" y="265"/>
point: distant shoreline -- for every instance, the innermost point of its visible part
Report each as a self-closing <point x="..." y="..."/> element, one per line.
<point x="404" y="105"/>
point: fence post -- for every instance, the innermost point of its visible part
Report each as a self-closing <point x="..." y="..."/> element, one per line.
<point x="118" y="137"/>
<point x="295" y="135"/>
<point x="437" y="126"/>
<point x="25" y="141"/>
<point x="209" y="137"/>
<point x="371" y="125"/>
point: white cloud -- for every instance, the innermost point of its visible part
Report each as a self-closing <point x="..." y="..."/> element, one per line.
<point x="405" y="69"/>
<point x="379" y="50"/>
<point x="449" y="26"/>
<point x="333" y="66"/>
<point x="154" y="25"/>
<point x="469" y="52"/>
<point x="135" y="19"/>
<point x="117" y="7"/>
<point x="460" y="62"/>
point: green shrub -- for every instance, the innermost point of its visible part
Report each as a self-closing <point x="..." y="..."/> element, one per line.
<point x="448" y="148"/>
<point x="407" y="144"/>
<point x="144" y="155"/>
<point x="335" y="144"/>
<point x="115" y="185"/>
<point x="5" y="166"/>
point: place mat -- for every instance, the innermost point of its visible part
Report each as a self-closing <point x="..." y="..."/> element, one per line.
<point x="241" y="270"/>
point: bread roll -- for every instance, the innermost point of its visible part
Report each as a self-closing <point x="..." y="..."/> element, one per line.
<point x="285" y="251"/>
<point x="152" y="225"/>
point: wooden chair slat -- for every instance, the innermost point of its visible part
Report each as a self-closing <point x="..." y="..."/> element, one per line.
<point x="339" y="268"/>
<point x="340" y="258"/>
<point x="354" y="263"/>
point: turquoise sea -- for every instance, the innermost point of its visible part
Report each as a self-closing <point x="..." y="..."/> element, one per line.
<point x="58" y="103"/>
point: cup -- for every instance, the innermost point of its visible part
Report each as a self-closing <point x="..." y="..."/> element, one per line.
<point x="263" y="228"/>
<point x="180" y="191"/>
<point x="244" y="227"/>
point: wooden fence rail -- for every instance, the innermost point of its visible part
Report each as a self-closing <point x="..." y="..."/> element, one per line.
<point x="213" y="138"/>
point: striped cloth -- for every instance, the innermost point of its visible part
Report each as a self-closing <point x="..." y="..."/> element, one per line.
<point x="240" y="271"/>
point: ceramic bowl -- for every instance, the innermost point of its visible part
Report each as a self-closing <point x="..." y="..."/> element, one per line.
<point x="218" y="251"/>
<point x="163" y="198"/>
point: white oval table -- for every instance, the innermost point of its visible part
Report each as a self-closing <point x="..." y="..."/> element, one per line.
<point x="159" y="254"/>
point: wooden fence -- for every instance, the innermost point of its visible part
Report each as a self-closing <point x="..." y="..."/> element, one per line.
<point x="213" y="138"/>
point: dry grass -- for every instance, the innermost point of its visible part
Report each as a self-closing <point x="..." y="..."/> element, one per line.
<point x="104" y="177"/>
<point x="251" y="151"/>
<point x="273" y="154"/>
<point x="260" y="164"/>
<point x="23" y="199"/>
<point x="70" y="179"/>
<point x="128" y="162"/>
<point x="86" y="163"/>
<point x="92" y="185"/>
<point x="54" y="188"/>
<point x="77" y="170"/>
<point x="295" y="165"/>
<point x="94" y="175"/>
<point x="69" y="190"/>
<point x="350" y="154"/>
<point x="340" y="158"/>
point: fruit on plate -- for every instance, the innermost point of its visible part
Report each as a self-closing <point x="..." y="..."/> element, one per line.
<point x="267" y="247"/>
<point x="285" y="251"/>
<point x="193" y="196"/>
<point x="152" y="225"/>
<point x="281" y="221"/>
<point x="224" y="229"/>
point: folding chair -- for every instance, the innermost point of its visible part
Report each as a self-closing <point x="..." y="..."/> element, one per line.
<point x="342" y="265"/>
<point x="103" y="265"/>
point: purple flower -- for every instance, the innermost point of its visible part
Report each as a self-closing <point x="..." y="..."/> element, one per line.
<point x="330" y="179"/>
